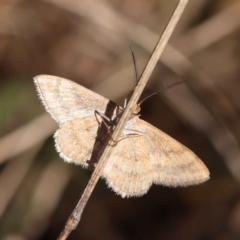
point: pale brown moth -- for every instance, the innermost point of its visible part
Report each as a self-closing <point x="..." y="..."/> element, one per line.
<point x="144" y="155"/>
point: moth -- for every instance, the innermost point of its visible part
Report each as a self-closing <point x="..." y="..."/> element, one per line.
<point x="144" y="156"/>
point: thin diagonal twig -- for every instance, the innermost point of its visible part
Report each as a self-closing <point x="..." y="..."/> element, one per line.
<point x="77" y="212"/>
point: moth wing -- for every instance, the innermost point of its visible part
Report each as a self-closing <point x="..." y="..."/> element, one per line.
<point x="77" y="141"/>
<point x="73" y="108"/>
<point x="65" y="100"/>
<point x="173" y="163"/>
<point x="128" y="171"/>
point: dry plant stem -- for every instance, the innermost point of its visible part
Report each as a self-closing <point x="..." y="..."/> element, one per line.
<point x="76" y="214"/>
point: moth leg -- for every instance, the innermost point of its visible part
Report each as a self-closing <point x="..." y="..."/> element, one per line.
<point x="130" y="135"/>
<point x="106" y="121"/>
<point x="111" y="124"/>
<point x="103" y="117"/>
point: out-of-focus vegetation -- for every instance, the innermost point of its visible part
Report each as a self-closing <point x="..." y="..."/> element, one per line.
<point x="88" y="41"/>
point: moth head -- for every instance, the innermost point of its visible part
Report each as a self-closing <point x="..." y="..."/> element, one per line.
<point x="137" y="109"/>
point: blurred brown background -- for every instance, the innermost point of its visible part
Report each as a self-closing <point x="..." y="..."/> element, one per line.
<point x="88" y="41"/>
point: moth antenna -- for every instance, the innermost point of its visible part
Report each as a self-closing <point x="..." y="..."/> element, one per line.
<point x="136" y="77"/>
<point x="135" y="65"/>
<point x="162" y="90"/>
